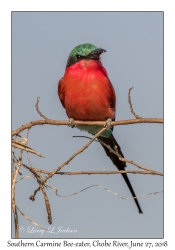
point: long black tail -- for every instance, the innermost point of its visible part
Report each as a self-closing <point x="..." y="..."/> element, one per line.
<point x="119" y="164"/>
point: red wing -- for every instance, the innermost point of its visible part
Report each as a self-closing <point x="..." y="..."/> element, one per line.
<point x="112" y="97"/>
<point x="61" y="93"/>
<point x="105" y="71"/>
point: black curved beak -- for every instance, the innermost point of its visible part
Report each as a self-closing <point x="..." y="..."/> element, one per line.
<point x="94" y="55"/>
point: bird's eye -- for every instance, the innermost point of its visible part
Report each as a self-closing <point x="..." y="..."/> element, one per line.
<point x="78" y="57"/>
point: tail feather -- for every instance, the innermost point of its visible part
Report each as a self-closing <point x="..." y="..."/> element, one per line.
<point x="119" y="164"/>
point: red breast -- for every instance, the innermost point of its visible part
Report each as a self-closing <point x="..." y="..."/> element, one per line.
<point x="88" y="92"/>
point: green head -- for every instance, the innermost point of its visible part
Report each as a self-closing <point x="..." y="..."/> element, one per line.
<point x="84" y="51"/>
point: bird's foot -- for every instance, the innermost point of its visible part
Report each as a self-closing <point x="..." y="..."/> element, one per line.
<point x="108" y="123"/>
<point x="71" y="123"/>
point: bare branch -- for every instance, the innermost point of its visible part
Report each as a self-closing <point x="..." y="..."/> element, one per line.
<point x="13" y="195"/>
<point x="109" y="172"/>
<point x="56" y="123"/>
<point x="152" y="172"/>
<point x="114" y="123"/>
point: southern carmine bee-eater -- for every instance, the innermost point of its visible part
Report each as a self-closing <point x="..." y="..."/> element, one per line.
<point x="87" y="94"/>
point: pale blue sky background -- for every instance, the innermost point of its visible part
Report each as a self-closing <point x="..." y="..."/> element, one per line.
<point x="41" y="43"/>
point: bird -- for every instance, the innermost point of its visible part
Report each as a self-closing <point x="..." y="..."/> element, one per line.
<point x="87" y="94"/>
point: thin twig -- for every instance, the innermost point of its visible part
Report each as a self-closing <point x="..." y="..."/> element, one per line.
<point x="26" y="177"/>
<point x="32" y="197"/>
<point x="19" y="145"/>
<point x="33" y="222"/>
<point x="37" y="109"/>
<point x="131" y="108"/>
<point x="28" y="156"/>
<point x="108" y="190"/>
<point x="28" y="134"/>
<point x="46" y="199"/>
<point x="131" y="198"/>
